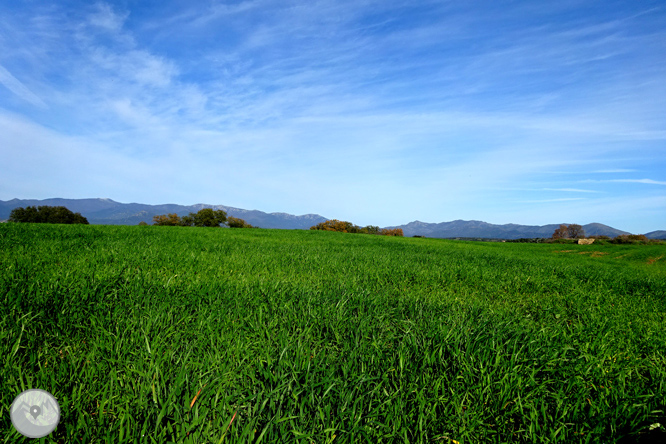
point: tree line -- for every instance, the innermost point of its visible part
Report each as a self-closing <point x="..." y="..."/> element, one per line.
<point x="574" y="231"/>
<point x="45" y="214"/>
<point x="206" y="217"/>
<point x="348" y="227"/>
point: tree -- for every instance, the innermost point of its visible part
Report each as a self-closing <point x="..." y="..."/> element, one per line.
<point x="207" y="217"/>
<point x="575" y="231"/>
<point x="143" y="224"/>
<point x="348" y="227"/>
<point x="235" y="222"/>
<point x="337" y="225"/>
<point x="170" y="220"/>
<point x="561" y="233"/>
<point x="187" y="221"/>
<point x="391" y="232"/>
<point x="46" y="214"/>
<point x="370" y="229"/>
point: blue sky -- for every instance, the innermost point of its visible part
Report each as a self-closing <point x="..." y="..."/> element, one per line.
<point x="375" y="112"/>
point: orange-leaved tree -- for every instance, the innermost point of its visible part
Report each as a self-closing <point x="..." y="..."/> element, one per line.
<point x="170" y="219"/>
<point x="337" y="225"/>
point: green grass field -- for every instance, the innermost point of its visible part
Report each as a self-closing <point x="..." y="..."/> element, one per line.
<point x="172" y="334"/>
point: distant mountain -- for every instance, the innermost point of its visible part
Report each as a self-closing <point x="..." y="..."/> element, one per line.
<point x="478" y="229"/>
<point x="109" y="212"/>
<point x="660" y="234"/>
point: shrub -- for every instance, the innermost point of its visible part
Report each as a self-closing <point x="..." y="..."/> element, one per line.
<point x="170" y="220"/>
<point x="206" y="217"/>
<point x="235" y="222"/>
<point x="46" y="215"/>
<point x="337" y="225"/>
<point x="348" y="227"/>
<point x="630" y="239"/>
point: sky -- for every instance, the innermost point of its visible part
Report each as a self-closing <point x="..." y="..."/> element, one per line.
<point x="374" y="112"/>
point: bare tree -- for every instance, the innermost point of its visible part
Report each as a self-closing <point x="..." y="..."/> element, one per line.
<point x="575" y="231"/>
<point x="561" y="233"/>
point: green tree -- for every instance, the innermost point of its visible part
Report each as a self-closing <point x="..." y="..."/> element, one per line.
<point x="207" y="217"/>
<point x="46" y="214"/>
<point x="187" y="221"/>
<point x="371" y="229"/>
<point x="235" y="222"/>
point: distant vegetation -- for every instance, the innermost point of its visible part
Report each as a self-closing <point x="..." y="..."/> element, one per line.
<point x="572" y="231"/>
<point x="206" y="217"/>
<point x="348" y="227"/>
<point x="46" y="215"/>
<point x="235" y="222"/>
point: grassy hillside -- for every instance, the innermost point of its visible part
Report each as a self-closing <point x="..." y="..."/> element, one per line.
<point x="171" y="334"/>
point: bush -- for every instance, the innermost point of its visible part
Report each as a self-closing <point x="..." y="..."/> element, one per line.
<point x="529" y="240"/>
<point x="630" y="239"/>
<point x="337" y="225"/>
<point x="46" y="215"/>
<point x="206" y="217"/>
<point x="348" y="227"/>
<point x="169" y="220"/>
<point x="561" y="241"/>
<point x="235" y="222"/>
<point x="391" y="232"/>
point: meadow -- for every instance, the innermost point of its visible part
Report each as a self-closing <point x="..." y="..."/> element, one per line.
<point x="201" y="335"/>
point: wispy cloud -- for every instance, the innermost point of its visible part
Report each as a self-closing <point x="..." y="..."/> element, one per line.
<point x="562" y="199"/>
<point x="18" y="88"/>
<point x="344" y="108"/>
<point x="570" y="190"/>
<point x="105" y="17"/>
<point x="616" y="170"/>
<point x="646" y="181"/>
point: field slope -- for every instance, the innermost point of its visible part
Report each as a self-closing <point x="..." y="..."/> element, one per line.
<point x="171" y="334"/>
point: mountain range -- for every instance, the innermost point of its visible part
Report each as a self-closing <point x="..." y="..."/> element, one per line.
<point x="109" y="212"/>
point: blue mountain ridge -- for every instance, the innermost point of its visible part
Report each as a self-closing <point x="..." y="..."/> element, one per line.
<point x="109" y="212"/>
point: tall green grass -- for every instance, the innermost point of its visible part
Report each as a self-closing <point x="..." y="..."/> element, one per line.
<point x="172" y="334"/>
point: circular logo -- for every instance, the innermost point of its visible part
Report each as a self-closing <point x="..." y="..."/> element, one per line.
<point x="35" y="413"/>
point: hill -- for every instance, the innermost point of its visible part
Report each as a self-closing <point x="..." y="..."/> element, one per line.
<point x="109" y="212"/>
<point x="659" y="234"/>
<point x="478" y="229"/>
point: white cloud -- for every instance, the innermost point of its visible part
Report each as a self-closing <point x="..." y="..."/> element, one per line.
<point x="562" y="199"/>
<point x="616" y="170"/>
<point x="135" y="66"/>
<point x="350" y="109"/>
<point x="106" y="18"/>
<point x="14" y="85"/>
<point x="570" y="190"/>
<point x="645" y="181"/>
